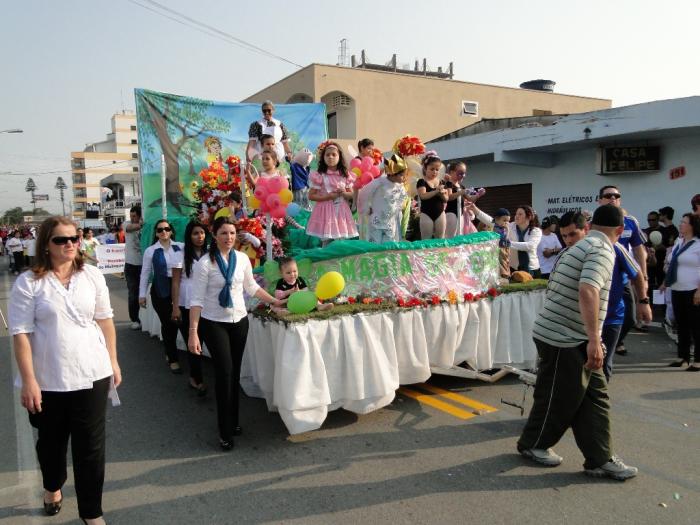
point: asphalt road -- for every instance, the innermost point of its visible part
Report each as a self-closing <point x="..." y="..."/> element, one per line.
<point x="406" y="463"/>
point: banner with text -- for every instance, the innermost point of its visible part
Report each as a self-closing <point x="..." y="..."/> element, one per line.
<point x="110" y="257"/>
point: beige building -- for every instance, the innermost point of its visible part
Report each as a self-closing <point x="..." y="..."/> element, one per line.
<point x="385" y="103"/>
<point x="112" y="164"/>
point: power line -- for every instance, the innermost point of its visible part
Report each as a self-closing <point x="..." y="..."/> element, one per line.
<point x="15" y="173"/>
<point x="188" y="21"/>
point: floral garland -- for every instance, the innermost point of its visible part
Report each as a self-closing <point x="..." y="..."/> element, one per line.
<point x="452" y="297"/>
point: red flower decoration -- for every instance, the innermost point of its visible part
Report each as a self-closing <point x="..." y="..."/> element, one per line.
<point x="435" y="300"/>
<point x="468" y="297"/>
<point x="409" y="145"/>
<point x="492" y="292"/>
<point x="352" y="300"/>
<point x="401" y="302"/>
<point x="378" y="300"/>
<point x="377" y="156"/>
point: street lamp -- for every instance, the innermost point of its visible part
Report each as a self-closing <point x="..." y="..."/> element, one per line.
<point x="13" y="130"/>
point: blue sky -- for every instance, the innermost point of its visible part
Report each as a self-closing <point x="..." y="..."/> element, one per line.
<point x="67" y="66"/>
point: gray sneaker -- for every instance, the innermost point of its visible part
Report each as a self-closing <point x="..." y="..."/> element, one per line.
<point x="614" y="469"/>
<point x="542" y="456"/>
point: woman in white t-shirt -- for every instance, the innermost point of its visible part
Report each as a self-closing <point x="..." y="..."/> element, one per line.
<point x="16" y="249"/>
<point x="89" y="245"/>
<point x="60" y="318"/>
<point x="548" y="248"/>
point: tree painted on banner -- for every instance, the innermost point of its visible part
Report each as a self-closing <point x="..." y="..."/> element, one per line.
<point x="177" y="122"/>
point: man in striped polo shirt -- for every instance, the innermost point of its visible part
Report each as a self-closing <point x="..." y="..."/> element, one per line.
<point x="571" y="390"/>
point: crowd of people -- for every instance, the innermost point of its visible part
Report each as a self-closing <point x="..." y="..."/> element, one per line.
<point x="599" y="268"/>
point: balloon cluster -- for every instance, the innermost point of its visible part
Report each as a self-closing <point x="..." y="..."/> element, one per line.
<point x="329" y="285"/>
<point x="272" y="195"/>
<point x="365" y="169"/>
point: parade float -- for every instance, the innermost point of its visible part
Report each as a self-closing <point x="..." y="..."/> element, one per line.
<point x="405" y="309"/>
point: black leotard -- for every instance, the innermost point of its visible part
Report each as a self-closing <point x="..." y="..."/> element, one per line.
<point x="432" y="207"/>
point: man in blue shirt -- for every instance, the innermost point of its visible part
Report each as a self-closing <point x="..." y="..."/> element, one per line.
<point x="624" y="271"/>
<point x="633" y="240"/>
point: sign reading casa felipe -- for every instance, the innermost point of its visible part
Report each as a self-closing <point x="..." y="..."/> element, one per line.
<point x="630" y="159"/>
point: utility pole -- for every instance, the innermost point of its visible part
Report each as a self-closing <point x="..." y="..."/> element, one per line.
<point x="31" y="188"/>
<point x="61" y="186"/>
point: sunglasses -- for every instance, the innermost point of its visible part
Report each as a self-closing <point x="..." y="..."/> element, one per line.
<point x="164" y="229"/>
<point x="267" y="110"/>
<point x="615" y="196"/>
<point x="61" y="240"/>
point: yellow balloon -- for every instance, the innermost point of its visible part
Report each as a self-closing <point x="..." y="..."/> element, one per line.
<point x="329" y="285"/>
<point x="286" y="196"/>
<point x="357" y="171"/>
<point x="223" y="212"/>
<point x="253" y="202"/>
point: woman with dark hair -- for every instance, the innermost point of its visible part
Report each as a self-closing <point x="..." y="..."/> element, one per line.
<point x="682" y="277"/>
<point x="524" y="235"/>
<point x="195" y="248"/>
<point x="60" y="318"/>
<point x="217" y="308"/>
<point x="160" y="258"/>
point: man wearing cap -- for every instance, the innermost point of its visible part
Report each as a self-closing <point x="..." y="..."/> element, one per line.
<point x="571" y="390"/>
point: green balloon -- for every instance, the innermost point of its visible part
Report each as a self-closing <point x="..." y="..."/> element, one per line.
<point x="301" y="302"/>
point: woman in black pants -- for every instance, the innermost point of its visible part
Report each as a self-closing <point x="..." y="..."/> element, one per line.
<point x="217" y="308"/>
<point x="160" y="258"/>
<point x="60" y="316"/>
<point x="195" y="248"/>
<point x="682" y="278"/>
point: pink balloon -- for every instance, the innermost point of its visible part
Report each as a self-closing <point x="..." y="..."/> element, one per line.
<point x="261" y="182"/>
<point x="273" y="201"/>
<point x="367" y="163"/>
<point x="285" y="183"/>
<point x="263" y="208"/>
<point x="279" y="212"/>
<point x="260" y="193"/>
<point x="275" y="184"/>
<point x="366" y="178"/>
<point x="355" y="163"/>
<point x="374" y="170"/>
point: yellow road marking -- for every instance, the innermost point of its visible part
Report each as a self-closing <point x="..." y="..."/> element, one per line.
<point x="457" y="398"/>
<point x="429" y="400"/>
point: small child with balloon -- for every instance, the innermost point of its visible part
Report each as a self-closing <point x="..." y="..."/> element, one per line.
<point x="290" y="283"/>
<point x="331" y="188"/>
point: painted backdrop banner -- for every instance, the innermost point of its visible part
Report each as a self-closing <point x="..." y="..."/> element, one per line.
<point x="191" y="133"/>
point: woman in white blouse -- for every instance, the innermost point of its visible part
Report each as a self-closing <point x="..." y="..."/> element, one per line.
<point x="159" y="259"/>
<point x="524" y="236"/>
<point x="195" y="248"/>
<point x="65" y="346"/>
<point x="217" y="308"/>
<point x="683" y="278"/>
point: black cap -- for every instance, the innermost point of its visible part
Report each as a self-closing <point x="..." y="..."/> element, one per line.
<point x="501" y="212"/>
<point x="608" y="215"/>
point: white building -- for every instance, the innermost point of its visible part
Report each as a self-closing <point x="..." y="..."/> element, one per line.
<point x="107" y="172"/>
<point x="650" y="151"/>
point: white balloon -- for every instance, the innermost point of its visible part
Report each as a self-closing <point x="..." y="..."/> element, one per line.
<point x="655" y="238"/>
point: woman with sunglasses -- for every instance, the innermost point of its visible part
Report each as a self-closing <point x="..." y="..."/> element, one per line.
<point x="273" y="127"/>
<point x="195" y="248"/>
<point x="218" y="310"/>
<point x="60" y="318"/>
<point x="159" y="259"/>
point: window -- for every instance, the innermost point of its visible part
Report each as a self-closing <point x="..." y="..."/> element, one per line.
<point x="470" y="108"/>
<point x="332" y="125"/>
<point x="133" y="128"/>
<point x="134" y="155"/>
<point x="133" y="141"/>
<point x="540" y="112"/>
<point x="135" y="169"/>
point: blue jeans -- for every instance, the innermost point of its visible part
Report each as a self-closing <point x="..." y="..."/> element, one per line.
<point x="611" y="333"/>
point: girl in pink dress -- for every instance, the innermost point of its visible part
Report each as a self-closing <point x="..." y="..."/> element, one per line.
<point x="331" y="189"/>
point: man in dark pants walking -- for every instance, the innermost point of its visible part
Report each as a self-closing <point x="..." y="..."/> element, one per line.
<point x="571" y="390"/>
<point x="132" y="263"/>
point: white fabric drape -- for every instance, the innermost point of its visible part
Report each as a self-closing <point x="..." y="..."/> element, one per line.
<point x="358" y="362"/>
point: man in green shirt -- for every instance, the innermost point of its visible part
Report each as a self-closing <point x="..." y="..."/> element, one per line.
<point x="571" y="390"/>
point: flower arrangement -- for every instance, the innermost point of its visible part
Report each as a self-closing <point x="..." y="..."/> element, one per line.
<point x="409" y="145"/>
<point x="377" y="156"/>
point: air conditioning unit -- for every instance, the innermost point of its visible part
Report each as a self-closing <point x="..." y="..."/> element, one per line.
<point x="470" y="108"/>
<point x="342" y="102"/>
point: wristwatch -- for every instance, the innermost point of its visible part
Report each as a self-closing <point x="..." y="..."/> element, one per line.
<point x="644" y="301"/>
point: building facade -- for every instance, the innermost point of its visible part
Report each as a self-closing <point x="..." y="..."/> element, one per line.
<point x="650" y="151"/>
<point x="385" y="105"/>
<point x="106" y="173"/>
